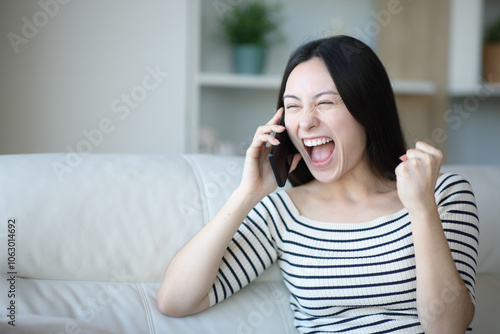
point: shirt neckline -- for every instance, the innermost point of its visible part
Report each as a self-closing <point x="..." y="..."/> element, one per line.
<point x="390" y="216"/>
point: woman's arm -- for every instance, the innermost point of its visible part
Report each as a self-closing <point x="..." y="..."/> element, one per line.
<point x="444" y="304"/>
<point x="193" y="270"/>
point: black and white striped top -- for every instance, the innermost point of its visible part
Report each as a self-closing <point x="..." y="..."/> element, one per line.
<point x="348" y="277"/>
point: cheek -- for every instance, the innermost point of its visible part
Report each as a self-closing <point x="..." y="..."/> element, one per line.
<point x="345" y="123"/>
<point x="355" y="131"/>
<point x="350" y="135"/>
<point x="290" y="118"/>
<point x="356" y="139"/>
<point x="291" y="126"/>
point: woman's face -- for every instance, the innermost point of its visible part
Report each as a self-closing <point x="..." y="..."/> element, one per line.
<point x="329" y="139"/>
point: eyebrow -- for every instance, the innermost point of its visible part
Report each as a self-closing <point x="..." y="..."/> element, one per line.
<point x="326" y="92"/>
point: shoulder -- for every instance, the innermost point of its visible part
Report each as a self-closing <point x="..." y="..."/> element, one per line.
<point x="271" y="213"/>
<point x="272" y="203"/>
<point x="458" y="212"/>
<point x="450" y="182"/>
<point x="452" y="188"/>
<point x="278" y="200"/>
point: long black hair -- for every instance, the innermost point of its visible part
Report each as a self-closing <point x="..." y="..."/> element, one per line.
<point x="365" y="88"/>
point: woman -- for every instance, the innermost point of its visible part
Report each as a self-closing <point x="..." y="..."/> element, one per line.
<point x="371" y="238"/>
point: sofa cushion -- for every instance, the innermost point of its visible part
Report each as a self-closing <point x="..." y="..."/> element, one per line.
<point x="55" y="306"/>
<point x="487" y="303"/>
<point x="117" y="220"/>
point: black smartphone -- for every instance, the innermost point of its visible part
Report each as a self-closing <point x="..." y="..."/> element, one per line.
<point x="281" y="155"/>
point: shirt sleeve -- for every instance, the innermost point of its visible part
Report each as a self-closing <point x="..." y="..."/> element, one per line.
<point x="251" y="251"/>
<point x="459" y="216"/>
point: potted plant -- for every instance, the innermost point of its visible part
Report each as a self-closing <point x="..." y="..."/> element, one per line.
<point x="250" y="28"/>
<point x="491" y="53"/>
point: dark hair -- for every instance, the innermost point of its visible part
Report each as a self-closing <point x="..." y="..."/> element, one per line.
<point x="366" y="91"/>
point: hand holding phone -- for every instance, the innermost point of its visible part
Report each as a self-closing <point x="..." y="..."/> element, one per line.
<point x="281" y="155"/>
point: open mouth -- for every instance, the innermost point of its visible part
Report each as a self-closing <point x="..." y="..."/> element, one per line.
<point x="320" y="150"/>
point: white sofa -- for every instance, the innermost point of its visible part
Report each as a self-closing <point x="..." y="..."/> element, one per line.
<point x="93" y="235"/>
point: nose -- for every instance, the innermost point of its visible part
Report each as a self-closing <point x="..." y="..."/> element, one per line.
<point x="308" y="119"/>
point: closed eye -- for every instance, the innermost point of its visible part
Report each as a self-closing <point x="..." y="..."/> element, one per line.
<point x="329" y="102"/>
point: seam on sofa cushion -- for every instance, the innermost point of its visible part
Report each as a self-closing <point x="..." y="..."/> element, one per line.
<point x="284" y="310"/>
<point x="290" y="329"/>
<point x="199" y="182"/>
<point x="147" y="309"/>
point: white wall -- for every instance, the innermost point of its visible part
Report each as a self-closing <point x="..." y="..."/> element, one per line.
<point x="72" y="73"/>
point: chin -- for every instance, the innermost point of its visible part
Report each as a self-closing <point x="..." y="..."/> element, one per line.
<point x="325" y="178"/>
<point x="325" y="175"/>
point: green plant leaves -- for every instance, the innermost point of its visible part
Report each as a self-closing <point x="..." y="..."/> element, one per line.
<point x="252" y="23"/>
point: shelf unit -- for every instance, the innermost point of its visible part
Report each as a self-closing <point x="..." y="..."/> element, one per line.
<point x="231" y="106"/>
<point x="478" y="89"/>
<point x="229" y="80"/>
<point x="467" y="25"/>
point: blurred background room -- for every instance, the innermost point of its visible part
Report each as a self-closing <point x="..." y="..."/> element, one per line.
<point x="159" y="76"/>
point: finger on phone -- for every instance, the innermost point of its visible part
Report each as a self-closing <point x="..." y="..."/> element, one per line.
<point x="265" y="138"/>
<point x="278" y="128"/>
<point x="277" y="117"/>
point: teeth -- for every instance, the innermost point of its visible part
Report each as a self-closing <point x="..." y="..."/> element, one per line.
<point x="316" y="142"/>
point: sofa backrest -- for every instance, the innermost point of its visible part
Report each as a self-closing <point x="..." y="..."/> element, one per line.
<point x="117" y="217"/>
<point x="485" y="182"/>
<point x="107" y="217"/>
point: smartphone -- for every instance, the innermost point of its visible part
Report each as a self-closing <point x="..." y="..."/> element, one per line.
<point x="281" y="155"/>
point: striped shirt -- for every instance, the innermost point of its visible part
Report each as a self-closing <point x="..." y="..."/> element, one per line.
<point x="349" y="277"/>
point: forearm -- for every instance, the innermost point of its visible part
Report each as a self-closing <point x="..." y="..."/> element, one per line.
<point x="192" y="272"/>
<point x="443" y="301"/>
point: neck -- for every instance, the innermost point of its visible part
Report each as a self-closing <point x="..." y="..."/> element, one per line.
<point x="356" y="184"/>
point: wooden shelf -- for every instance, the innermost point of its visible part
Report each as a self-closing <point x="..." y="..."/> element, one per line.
<point x="482" y="90"/>
<point x="229" y="80"/>
<point x="413" y="87"/>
